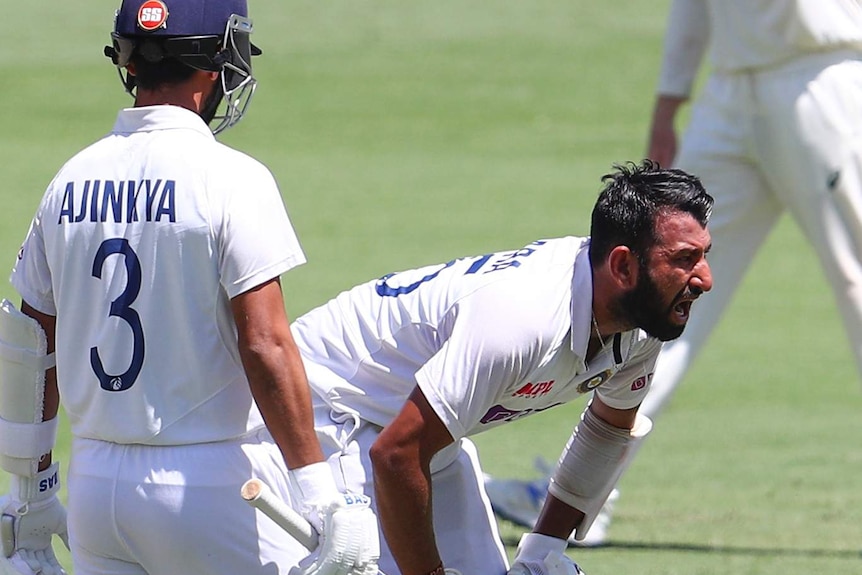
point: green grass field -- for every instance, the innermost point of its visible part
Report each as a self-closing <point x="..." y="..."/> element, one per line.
<point x="405" y="133"/>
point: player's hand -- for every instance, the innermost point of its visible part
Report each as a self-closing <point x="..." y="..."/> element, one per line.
<point x="543" y="555"/>
<point x="349" y="542"/>
<point x="662" y="144"/>
<point x="28" y="525"/>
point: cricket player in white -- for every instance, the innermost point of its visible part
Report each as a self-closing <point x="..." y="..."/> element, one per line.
<point x="776" y="127"/>
<point x="152" y="263"/>
<point x="405" y="368"/>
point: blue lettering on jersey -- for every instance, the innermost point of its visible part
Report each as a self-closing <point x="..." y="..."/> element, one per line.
<point x="119" y="202"/>
<point x="501" y="261"/>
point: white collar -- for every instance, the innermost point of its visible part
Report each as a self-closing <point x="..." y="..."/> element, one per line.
<point x="582" y="302"/>
<point x="151" y="118"/>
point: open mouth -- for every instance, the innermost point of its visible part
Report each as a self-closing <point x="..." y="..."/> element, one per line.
<point x="681" y="311"/>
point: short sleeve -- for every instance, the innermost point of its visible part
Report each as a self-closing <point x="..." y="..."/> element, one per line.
<point x="489" y="348"/>
<point x="628" y="387"/>
<point x="31" y="275"/>
<point x="257" y="240"/>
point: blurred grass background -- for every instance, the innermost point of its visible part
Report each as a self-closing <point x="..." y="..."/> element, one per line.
<point x="406" y="133"/>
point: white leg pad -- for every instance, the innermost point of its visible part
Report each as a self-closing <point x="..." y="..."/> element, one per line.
<point x="24" y="438"/>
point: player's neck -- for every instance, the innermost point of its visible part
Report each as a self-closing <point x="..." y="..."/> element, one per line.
<point x="597" y="342"/>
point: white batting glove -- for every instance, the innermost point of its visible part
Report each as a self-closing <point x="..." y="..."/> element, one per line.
<point x="349" y="544"/>
<point x="348" y="535"/>
<point x="543" y="555"/>
<point x="31" y="515"/>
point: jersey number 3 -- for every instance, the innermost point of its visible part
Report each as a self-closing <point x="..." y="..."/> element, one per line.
<point x="121" y="307"/>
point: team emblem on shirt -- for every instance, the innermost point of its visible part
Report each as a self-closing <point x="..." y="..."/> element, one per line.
<point x="152" y="15"/>
<point x="595" y="381"/>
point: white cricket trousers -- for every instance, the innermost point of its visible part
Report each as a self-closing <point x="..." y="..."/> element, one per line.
<point x="786" y="138"/>
<point x="464" y="524"/>
<point x="145" y="510"/>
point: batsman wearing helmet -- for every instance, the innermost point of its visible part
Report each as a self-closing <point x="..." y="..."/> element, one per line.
<point x="152" y="307"/>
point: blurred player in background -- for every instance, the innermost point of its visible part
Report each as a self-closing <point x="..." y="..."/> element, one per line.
<point x="405" y="368"/>
<point x="778" y="126"/>
<point x="153" y="264"/>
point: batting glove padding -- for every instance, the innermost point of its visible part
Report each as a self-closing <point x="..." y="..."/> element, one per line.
<point x="543" y="555"/>
<point x="31" y="515"/>
<point x="349" y="543"/>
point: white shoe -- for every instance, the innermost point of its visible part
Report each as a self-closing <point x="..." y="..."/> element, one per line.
<point x="521" y="501"/>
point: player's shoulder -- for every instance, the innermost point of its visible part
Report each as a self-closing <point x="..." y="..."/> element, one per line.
<point x="643" y="344"/>
<point x="232" y="159"/>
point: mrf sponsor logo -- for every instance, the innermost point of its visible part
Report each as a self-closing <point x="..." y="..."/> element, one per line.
<point x="534" y="389"/>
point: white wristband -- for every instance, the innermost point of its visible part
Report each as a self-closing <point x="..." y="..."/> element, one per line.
<point x="316" y="483"/>
<point x="535" y="547"/>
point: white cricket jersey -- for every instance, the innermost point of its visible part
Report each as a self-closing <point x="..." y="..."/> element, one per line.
<point x="488" y="339"/>
<point x="744" y="35"/>
<point x="137" y="247"/>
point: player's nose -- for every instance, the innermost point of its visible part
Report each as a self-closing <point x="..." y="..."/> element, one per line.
<point x="701" y="279"/>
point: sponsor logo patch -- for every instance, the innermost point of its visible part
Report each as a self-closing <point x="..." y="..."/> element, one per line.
<point x="503" y="413"/>
<point x="534" y="389"/>
<point x="152" y="15"/>
<point x="641" y="382"/>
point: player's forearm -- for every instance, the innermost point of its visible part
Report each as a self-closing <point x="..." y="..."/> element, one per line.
<point x="666" y="108"/>
<point x="558" y="519"/>
<point x="51" y="399"/>
<point x="280" y="389"/>
<point x="403" y="495"/>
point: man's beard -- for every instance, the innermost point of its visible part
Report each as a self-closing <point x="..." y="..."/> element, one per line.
<point x="643" y="306"/>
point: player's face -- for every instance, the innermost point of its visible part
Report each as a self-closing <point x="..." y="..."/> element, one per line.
<point x="674" y="274"/>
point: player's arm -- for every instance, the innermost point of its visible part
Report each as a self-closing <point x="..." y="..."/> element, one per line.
<point x="346" y="524"/>
<point x="559" y="519"/>
<point x="51" y="405"/>
<point x="597" y="453"/>
<point x="684" y="46"/>
<point x="31" y="512"/>
<point x="275" y="372"/>
<point x="401" y="459"/>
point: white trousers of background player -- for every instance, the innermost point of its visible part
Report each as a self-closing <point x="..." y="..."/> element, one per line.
<point x="789" y="138"/>
<point x="140" y="509"/>
<point x="464" y="524"/>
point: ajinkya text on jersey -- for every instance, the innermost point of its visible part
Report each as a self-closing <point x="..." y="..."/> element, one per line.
<point x="119" y="202"/>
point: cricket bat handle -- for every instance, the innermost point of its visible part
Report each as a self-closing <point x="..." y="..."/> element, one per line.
<point x="258" y="494"/>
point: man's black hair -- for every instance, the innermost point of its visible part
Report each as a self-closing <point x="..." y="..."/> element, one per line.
<point x="634" y="194"/>
<point x="167" y="72"/>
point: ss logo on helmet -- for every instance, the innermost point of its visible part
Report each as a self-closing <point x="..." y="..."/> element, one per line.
<point x="152" y="15"/>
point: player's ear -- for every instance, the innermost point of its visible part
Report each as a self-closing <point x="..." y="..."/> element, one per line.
<point x="623" y="267"/>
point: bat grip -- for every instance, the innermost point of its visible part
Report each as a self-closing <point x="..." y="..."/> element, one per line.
<point x="258" y="494"/>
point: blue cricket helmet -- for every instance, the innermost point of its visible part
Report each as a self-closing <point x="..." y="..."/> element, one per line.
<point x="211" y="35"/>
<point x="176" y="17"/>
